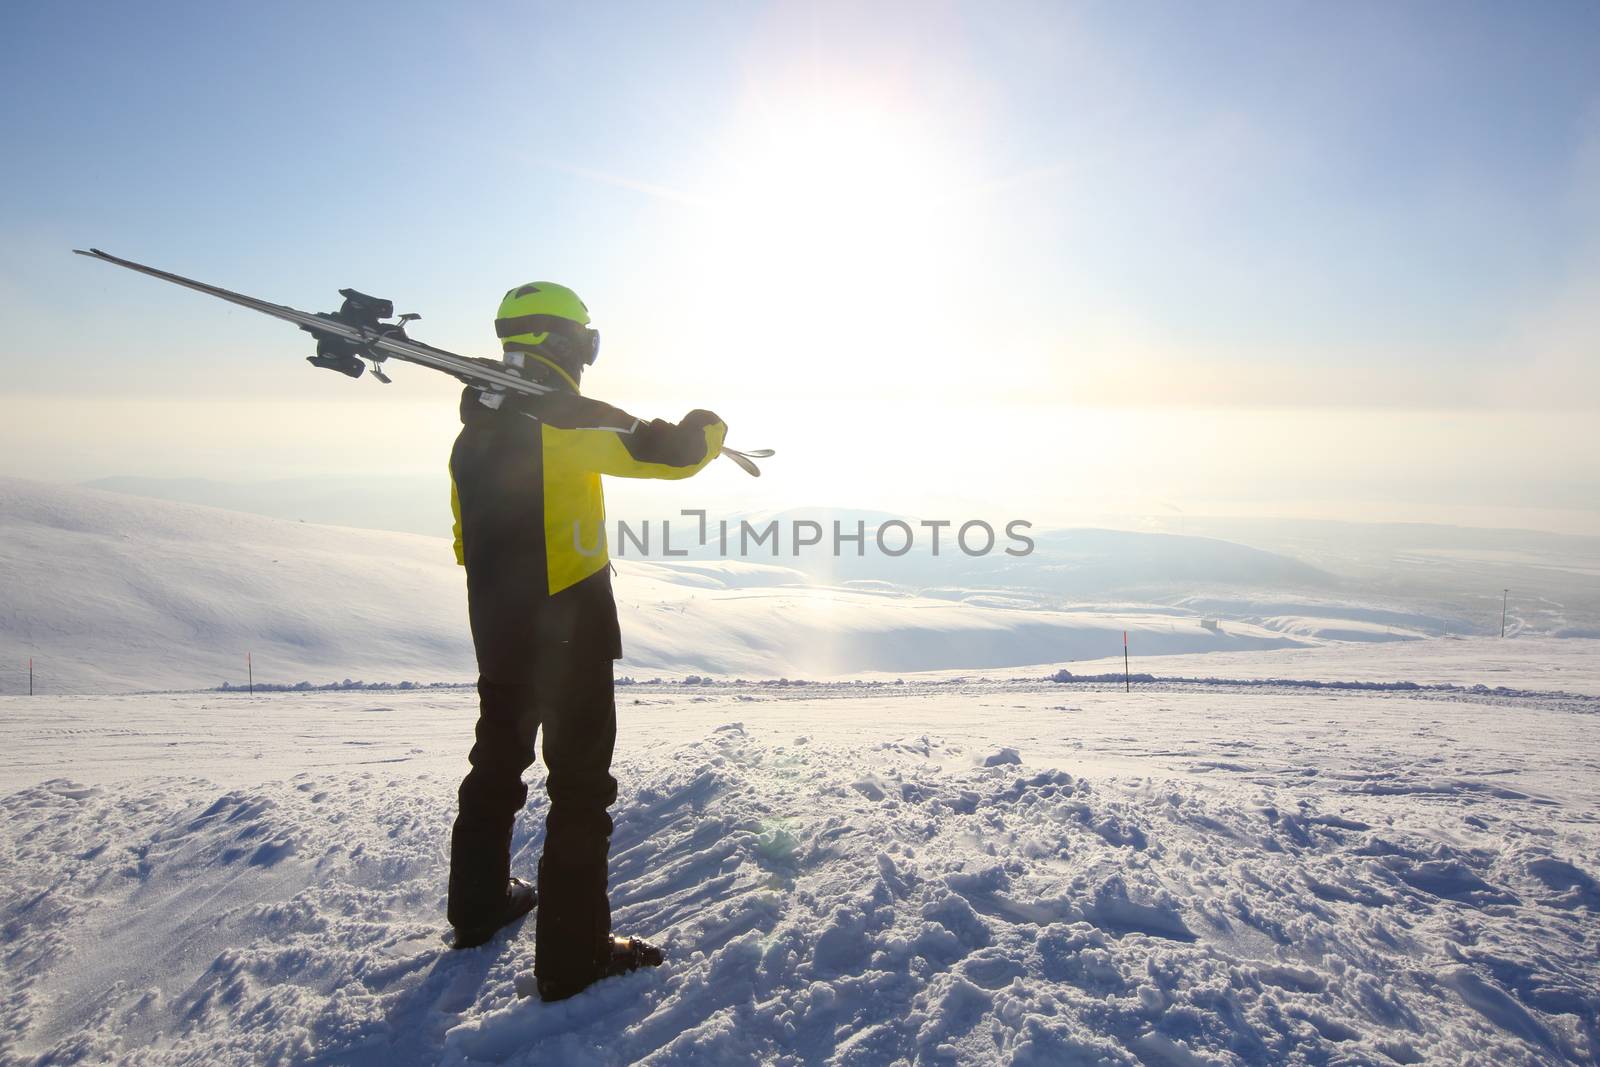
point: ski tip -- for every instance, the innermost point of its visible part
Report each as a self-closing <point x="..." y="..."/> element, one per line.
<point x="743" y="461"/>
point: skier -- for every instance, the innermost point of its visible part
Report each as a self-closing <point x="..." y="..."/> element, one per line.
<point x="529" y="515"/>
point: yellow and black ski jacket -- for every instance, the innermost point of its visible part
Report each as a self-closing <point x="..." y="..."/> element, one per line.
<point x="530" y="518"/>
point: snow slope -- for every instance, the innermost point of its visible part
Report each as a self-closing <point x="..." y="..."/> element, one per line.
<point x="109" y="592"/>
<point x="941" y="871"/>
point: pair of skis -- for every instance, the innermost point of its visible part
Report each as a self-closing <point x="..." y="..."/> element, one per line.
<point x="356" y="332"/>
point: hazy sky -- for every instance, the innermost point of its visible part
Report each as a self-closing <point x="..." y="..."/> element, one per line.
<point x="1338" y="260"/>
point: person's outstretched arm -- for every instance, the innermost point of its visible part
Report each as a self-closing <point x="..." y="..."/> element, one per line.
<point x="589" y="435"/>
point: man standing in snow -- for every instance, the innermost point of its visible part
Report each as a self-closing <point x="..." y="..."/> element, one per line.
<point x="525" y="490"/>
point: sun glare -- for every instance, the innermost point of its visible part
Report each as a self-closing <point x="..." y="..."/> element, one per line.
<point x="823" y="229"/>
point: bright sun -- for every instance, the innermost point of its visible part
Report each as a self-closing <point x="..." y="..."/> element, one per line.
<point x="827" y="230"/>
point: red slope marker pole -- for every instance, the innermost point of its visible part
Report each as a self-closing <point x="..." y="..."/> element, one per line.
<point x="1127" y="679"/>
<point x="250" y="668"/>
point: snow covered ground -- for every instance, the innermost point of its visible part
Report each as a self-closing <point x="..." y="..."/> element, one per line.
<point x="1318" y="832"/>
<point x="946" y="870"/>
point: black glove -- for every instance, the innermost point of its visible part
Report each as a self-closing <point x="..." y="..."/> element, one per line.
<point x="699" y="419"/>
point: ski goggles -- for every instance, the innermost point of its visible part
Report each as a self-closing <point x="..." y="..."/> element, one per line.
<point x="563" y="336"/>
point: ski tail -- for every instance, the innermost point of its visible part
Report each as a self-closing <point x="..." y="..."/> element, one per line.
<point x="200" y="287"/>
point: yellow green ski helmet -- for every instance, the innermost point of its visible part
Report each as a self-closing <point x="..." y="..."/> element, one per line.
<point x="546" y="317"/>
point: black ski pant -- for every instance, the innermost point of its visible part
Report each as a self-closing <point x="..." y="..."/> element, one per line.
<point x="573" y="700"/>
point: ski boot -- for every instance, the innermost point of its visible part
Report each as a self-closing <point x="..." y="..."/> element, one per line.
<point x="624" y="956"/>
<point x="520" y="899"/>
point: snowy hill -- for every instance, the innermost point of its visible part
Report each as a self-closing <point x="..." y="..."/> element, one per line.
<point x="107" y="591"/>
<point x="110" y="592"/>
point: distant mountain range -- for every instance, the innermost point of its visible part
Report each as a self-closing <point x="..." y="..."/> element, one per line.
<point x="107" y="591"/>
<point x="111" y="591"/>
